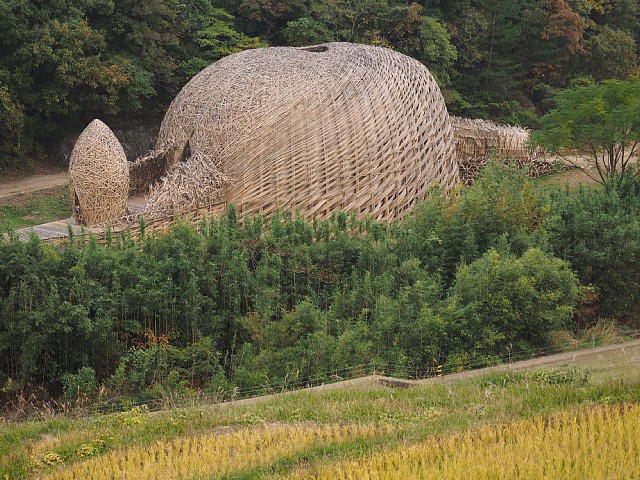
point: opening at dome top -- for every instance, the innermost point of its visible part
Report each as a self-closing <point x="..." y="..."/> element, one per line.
<point x="315" y="49"/>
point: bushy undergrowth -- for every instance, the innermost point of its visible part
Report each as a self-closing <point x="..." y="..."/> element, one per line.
<point x="243" y="305"/>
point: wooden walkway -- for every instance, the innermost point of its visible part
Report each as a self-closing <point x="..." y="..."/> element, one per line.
<point x="52" y="230"/>
<point x="60" y="229"/>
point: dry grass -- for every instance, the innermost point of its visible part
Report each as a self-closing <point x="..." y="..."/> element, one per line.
<point x="313" y="432"/>
<point x="213" y="454"/>
<point x="594" y="443"/>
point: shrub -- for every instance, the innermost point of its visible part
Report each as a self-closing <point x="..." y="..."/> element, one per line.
<point x="501" y="301"/>
<point x="598" y="232"/>
<point x="80" y="386"/>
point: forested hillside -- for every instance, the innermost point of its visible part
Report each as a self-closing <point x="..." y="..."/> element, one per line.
<point x="64" y="62"/>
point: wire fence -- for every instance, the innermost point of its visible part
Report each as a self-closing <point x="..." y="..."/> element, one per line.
<point x="170" y="399"/>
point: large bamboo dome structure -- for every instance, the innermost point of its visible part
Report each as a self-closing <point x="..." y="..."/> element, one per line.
<point x="334" y="126"/>
<point x="98" y="176"/>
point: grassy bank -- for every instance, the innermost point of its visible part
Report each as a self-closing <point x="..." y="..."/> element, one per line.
<point x="34" y="209"/>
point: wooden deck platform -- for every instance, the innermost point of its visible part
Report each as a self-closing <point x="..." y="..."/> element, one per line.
<point x="52" y="230"/>
<point x="59" y="229"/>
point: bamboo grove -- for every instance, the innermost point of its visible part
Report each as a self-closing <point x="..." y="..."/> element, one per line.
<point x="248" y="303"/>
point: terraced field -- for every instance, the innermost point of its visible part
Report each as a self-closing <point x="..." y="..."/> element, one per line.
<point x="575" y="420"/>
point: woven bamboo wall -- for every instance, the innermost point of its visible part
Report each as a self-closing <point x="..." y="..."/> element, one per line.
<point x="318" y="129"/>
<point x="336" y="126"/>
<point x="146" y="170"/>
<point x="478" y="140"/>
<point x="483" y="138"/>
<point x="98" y="176"/>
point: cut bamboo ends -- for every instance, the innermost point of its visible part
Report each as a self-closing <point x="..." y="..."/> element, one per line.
<point x="482" y="138"/>
<point x="98" y="176"/>
<point x="332" y="127"/>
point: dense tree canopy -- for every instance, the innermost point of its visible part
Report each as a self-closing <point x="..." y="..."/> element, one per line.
<point x="230" y="305"/>
<point x="250" y="304"/>
<point x="67" y="61"/>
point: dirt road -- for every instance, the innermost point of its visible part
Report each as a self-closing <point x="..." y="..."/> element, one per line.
<point x="629" y="350"/>
<point x="33" y="184"/>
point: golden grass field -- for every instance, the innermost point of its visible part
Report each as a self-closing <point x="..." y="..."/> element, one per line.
<point x="595" y="442"/>
<point x="573" y="421"/>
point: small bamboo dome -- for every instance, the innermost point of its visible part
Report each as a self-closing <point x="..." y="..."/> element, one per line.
<point x="98" y="176"/>
<point x="334" y="126"/>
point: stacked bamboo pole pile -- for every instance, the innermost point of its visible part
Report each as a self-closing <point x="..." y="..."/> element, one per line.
<point x="188" y="186"/>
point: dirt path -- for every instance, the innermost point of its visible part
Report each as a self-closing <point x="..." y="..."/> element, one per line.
<point x="43" y="182"/>
<point x="33" y="184"/>
<point x="631" y="351"/>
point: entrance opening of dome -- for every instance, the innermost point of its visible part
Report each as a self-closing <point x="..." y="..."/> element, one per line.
<point x="315" y="49"/>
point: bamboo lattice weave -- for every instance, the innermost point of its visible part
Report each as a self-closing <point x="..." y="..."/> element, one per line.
<point x="475" y="138"/>
<point x="336" y="126"/>
<point x="478" y="140"/>
<point x="146" y="170"/>
<point x="98" y="176"/>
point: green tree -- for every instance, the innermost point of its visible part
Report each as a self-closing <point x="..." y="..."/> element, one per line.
<point x="620" y="15"/>
<point x="12" y="120"/>
<point x="207" y="34"/>
<point x="600" y="123"/>
<point x="267" y="18"/>
<point x="433" y="47"/>
<point x="598" y="232"/>
<point x="467" y="31"/>
<point x="306" y="31"/>
<point x="611" y="54"/>
<point x="499" y="72"/>
<point x="65" y="62"/>
<point x="56" y="64"/>
<point x="500" y="301"/>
